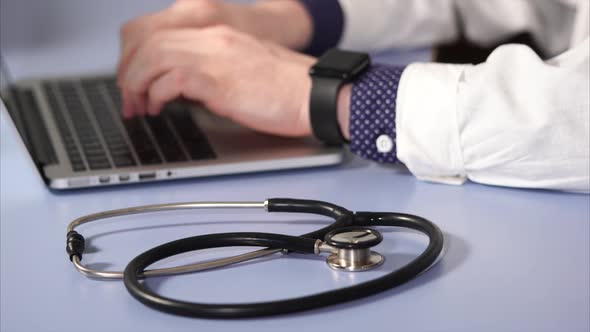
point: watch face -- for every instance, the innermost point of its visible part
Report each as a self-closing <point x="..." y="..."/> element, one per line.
<point x="340" y="64"/>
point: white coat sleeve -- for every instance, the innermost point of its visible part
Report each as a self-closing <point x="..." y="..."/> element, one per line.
<point x="511" y="121"/>
<point x="386" y="24"/>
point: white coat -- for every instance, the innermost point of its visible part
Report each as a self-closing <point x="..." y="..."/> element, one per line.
<point x="514" y="120"/>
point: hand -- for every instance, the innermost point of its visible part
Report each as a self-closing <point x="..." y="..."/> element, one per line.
<point x="256" y="83"/>
<point x="263" y="19"/>
<point x="182" y="14"/>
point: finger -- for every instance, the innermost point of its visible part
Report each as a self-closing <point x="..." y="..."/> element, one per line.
<point x="159" y="54"/>
<point x="130" y="108"/>
<point x="156" y="57"/>
<point x="134" y="33"/>
<point x="180" y="82"/>
<point x="136" y="111"/>
<point x="132" y="105"/>
<point x="131" y="36"/>
<point x="140" y="104"/>
<point x="126" y="105"/>
<point x="138" y="31"/>
<point x="141" y="81"/>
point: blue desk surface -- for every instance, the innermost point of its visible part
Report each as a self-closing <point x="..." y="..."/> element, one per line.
<point x="517" y="260"/>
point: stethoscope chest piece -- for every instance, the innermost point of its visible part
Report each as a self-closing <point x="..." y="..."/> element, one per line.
<point x="351" y="249"/>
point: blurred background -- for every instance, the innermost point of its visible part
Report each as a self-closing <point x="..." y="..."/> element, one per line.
<point x="64" y="37"/>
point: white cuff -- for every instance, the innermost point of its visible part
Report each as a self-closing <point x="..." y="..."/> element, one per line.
<point x="426" y="122"/>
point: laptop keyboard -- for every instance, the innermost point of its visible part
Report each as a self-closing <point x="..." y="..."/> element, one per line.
<point x="95" y="137"/>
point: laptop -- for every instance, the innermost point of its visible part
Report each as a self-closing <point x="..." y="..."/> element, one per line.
<point x="73" y="131"/>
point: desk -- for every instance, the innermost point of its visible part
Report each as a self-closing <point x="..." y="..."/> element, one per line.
<point x="517" y="260"/>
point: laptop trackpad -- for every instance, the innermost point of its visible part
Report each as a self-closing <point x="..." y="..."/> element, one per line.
<point x="230" y="140"/>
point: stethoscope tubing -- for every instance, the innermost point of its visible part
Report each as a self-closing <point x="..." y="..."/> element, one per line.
<point x="141" y="292"/>
<point x="340" y="215"/>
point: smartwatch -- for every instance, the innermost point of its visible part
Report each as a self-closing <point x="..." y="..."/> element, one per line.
<point x="332" y="70"/>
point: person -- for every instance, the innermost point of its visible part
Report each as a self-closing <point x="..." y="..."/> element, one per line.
<point x="516" y="119"/>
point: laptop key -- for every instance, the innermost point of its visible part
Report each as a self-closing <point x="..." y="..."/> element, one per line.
<point x="78" y="167"/>
<point x="141" y="142"/>
<point x="168" y="145"/>
<point x="111" y="132"/>
<point x="64" y="131"/>
<point x="193" y="139"/>
<point x="123" y="161"/>
<point x="91" y="146"/>
<point x="99" y="164"/>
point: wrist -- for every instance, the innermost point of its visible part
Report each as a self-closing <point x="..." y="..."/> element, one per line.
<point x="304" y="116"/>
<point x="343" y="110"/>
<point x="301" y="97"/>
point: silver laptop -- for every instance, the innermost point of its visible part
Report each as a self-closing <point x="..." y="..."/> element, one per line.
<point x="73" y="131"/>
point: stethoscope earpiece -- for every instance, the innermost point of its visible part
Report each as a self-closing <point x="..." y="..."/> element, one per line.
<point x="351" y="249"/>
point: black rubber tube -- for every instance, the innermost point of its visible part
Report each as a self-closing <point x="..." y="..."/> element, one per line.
<point x="136" y="267"/>
<point x="231" y="310"/>
<point x="292" y="205"/>
<point x="342" y="217"/>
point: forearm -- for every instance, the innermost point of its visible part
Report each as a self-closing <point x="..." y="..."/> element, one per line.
<point x="310" y="26"/>
<point x="285" y="22"/>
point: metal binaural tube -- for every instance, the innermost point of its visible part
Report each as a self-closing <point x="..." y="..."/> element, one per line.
<point x="165" y="207"/>
<point x="117" y="275"/>
<point x="93" y="273"/>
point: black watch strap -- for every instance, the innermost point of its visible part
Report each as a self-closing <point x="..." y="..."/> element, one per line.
<point x="323" y="107"/>
<point x="332" y="70"/>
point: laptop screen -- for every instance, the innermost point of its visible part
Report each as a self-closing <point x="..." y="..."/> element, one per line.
<point x="5" y="77"/>
<point x="10" y="100"/>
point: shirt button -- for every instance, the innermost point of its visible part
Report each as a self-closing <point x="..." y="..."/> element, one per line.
<point x="384" y="143"/>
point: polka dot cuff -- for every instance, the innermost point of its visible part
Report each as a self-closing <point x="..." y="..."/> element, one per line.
<point x="372" y="113"/>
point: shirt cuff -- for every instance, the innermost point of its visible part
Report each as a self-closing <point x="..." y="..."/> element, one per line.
<point x="328" y="24"/>
<point x="426" y="120"/>
<point x="372" y="113"/>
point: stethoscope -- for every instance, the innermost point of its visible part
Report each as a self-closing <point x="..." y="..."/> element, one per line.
<point x="348" y="242"/>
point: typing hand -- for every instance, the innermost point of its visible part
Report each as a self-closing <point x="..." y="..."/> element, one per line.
<point x="263" y="19"/>
<point x="256" y="83"/>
